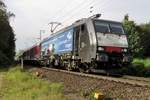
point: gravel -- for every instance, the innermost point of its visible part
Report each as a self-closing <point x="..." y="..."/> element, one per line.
<point x="80" y="85"/>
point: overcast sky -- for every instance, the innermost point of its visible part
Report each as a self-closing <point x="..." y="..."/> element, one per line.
<point x="34" y="15"/>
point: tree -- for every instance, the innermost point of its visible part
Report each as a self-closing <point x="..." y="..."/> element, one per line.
<point x="133" y="36"/>
<point x="145" y="38"/>
<point x="7" y="37"/>
<point x="2" y="4"/>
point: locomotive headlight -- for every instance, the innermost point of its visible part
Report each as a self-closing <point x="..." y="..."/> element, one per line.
<point x="100" y="48"/>
<point x="124" y="50"/>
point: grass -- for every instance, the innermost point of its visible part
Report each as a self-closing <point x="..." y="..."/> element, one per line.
<point x="16" y="84"/>
<point x="145" y="62"/>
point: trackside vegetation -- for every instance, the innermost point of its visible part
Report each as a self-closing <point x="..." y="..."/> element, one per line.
<point x="139" y="47"/>
<point x="7" y="37"/>
<point x="139" y="67"/>
<point x="143" y="62"/>
<point x="16" y="84"/>
<point x="138" y="37"/>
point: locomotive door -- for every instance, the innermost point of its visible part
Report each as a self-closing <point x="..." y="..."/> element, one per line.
<point x="83" y="43"/>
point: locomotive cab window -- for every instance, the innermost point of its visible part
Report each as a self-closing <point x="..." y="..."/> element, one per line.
<point x="116" y="28"/>
<point x="101" y="27"/>
<point x="108" y="27"/>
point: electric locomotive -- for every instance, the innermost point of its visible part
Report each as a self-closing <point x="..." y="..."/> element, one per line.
<point x="89" y="43"/>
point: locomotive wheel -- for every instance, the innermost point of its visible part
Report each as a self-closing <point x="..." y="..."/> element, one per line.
<point x="87" y="71"/>
<point x="68" y="67"/>
<point x="83" y="68"/>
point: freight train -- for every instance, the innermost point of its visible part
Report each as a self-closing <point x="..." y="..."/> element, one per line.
<point x="89" y="43"/>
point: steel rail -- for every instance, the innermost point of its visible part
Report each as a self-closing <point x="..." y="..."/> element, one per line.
<point x="124" y="80"/>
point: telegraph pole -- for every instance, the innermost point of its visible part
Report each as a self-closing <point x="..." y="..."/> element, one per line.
<point x="41" y="31"/>
<point x="21" y="62"/>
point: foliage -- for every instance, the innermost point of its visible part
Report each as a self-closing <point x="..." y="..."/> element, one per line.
<point x="144" y="62"/>
<point x="145" y="38"/>
<point x="19" y="85"/>
<point x="2" y="5"/>
<point x="139" y="67"/>
<point x="7" y="37"/>
<point x="138" y="37"/>
<point x="133" y="36"/>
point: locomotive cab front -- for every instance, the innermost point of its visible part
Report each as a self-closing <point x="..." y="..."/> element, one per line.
<point x="111" y="42"/>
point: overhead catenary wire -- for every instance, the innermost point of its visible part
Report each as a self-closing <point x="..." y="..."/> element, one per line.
<point x="73" y="14"/>
<point x="94" y="4"/>
<point x="63" y="16"/>
<point x="61" y="10"/>
<point x="97" y="9"/>
<point x="82" y="10"/>
<point x="72" y="9"/>
<point x="78" y="9"/>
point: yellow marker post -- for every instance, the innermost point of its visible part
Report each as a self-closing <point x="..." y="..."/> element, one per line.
<point x="37" y="74"/>
<point x="98" y="95"/>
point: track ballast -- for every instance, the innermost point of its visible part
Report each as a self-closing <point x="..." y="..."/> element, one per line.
<point x="125" y="88"/>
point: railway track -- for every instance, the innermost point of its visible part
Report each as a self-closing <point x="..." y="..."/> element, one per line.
<point x="131" y="80"/>
<point x="125" y="88"/>
<point x="139" y="79"/>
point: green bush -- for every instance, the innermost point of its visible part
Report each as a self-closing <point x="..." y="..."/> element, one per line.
<point x="145" y="62"/>
<point x="139" y="67"/>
